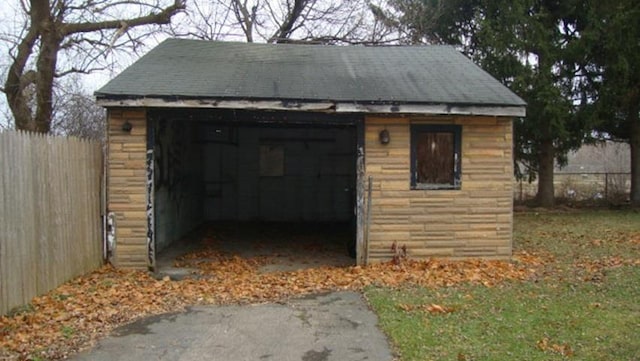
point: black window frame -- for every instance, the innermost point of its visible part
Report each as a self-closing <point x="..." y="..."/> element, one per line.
<point x="456" y="130"/>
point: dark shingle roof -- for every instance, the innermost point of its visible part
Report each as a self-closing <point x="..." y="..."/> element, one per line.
<point x="179" y="68"/>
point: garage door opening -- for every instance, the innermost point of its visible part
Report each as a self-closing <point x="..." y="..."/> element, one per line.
<point x="254" y="181"/>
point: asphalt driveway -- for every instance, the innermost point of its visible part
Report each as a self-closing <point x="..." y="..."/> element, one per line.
<point x="334" y="326"/>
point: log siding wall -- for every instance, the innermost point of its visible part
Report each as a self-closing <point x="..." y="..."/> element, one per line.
<point x="126" y="186"/>
<point x="474" y="221"/>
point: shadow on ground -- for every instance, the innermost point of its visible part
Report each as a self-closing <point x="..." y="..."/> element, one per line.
<point x="282" y="247"/>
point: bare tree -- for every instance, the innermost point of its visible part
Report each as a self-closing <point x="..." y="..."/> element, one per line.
<point x="76" y="112"/>
<point x="54" y="38"/>
<point x="312" y="21"/>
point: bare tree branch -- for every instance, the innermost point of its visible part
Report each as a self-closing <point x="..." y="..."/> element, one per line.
<point x="58" y="31"/>
<point x="345" y="22"/>
<point x="163" y="17"/>
<point x="246" y="18"/>
<point x="293" y="15"/>
<point x="76" y="113"/>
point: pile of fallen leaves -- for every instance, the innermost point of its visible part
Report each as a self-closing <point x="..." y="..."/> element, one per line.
<point x="73" y="315"/>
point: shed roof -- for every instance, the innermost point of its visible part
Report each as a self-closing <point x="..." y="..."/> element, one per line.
<point x="342" y="77"/>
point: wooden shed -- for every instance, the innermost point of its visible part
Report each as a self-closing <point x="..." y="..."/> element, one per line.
<point x="412" y="144"/>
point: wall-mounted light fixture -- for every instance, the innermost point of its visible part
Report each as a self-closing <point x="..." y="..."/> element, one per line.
<point x="126" y="126"/>
<point x="385" y="138"/>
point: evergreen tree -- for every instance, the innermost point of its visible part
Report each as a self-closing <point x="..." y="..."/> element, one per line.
<point x="611" y="44"/>
<point x="525" y="45"/>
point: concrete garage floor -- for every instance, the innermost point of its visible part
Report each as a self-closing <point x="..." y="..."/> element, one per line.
<point x="336" y="326"/>
<point x="287" y="246"/>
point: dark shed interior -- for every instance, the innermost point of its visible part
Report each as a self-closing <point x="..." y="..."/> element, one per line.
<point x="244" y="166"/>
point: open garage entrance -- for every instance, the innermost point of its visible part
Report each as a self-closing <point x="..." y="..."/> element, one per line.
<point x="254" y="181"/>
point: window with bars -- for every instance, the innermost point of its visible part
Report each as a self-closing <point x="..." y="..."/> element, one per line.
<point x="435" y="156"/>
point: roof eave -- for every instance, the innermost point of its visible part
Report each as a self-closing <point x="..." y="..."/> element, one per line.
<point x="314" y="106"/>
<point x="452" y="109"/>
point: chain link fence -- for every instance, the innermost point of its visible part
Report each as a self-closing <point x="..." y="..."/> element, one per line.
<point x="593" y="186"/>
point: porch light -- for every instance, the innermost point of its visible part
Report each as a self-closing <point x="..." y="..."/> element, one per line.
<point x="126" y="126"/>
<point x="384" y="137"/>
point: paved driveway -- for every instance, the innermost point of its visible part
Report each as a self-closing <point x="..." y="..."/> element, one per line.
<point x="334" y="326"/>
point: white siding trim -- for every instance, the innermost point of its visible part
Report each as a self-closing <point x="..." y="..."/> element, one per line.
<point x="329" y="107"/>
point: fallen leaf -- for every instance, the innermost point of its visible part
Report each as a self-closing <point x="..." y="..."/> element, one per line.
<point x="92" y="305"/>
<point x="547" y="346"/>
<point x="433" y="308"/>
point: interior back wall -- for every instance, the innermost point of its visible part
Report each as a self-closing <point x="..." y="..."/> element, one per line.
<point x="272" y="173"/>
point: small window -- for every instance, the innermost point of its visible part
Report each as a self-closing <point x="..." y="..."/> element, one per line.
<point x="435" y="156"/>
<point x="271" y="160"/>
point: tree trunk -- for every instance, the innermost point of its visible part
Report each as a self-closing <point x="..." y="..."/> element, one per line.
<point x="634" y="145"/>
<point x="545" y="196"/>
<point x="30" y="92"/>
<point x="46" y="65"/>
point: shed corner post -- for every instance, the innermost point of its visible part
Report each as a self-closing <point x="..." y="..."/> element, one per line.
<point x="151" y="242"/>
<point x="361" y="216"/>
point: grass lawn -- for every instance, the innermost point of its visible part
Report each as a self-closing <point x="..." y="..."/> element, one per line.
<point x="583" y="304"/>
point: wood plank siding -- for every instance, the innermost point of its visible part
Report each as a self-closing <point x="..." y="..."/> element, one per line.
<point x="473" y="221"/>
<point x="126" y="186"/>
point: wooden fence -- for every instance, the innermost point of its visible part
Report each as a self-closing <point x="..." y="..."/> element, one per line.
<point x="50" y="229"/>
